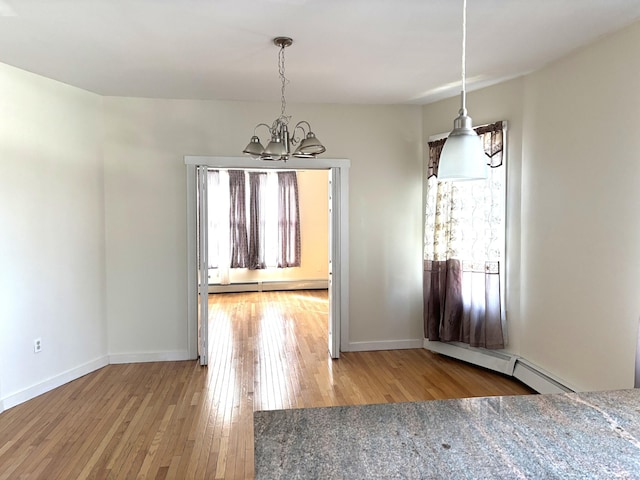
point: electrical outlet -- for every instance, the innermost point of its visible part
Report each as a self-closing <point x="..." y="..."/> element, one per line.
<point x="37" y="345"/>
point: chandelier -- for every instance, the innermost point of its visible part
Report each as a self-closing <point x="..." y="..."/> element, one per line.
<point x="462" y="156"/>
<point x="281" y="142"/>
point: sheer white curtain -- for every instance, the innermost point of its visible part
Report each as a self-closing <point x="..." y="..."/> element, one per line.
<point x="219" y="236"/>
<point x="289" y="251"/>
<point x="271" y="220"/>
<point x="464" y="251"/>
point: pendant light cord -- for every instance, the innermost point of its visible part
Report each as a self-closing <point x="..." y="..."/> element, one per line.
<point x="464" y="56"/>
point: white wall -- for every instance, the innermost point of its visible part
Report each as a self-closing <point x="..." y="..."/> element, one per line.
<point x="574" y="232"/>
<point x="52" y="243"/>
<point x="313" y="197"/>
<point x="145" y="190"/>
<point x="574" y="228"/>
<point x="581" y="204"/>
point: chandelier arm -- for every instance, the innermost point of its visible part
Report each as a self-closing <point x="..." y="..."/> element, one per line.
<point x="306" y="123"/>
<point x="296" y="140"/>
<point x="261" y="125"/>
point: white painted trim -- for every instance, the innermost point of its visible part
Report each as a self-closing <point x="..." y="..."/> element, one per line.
<point x="192" y="273"/>
<point x="497" y="361"/>
<point x="176" y="356"/>
<point x="203" y="265"/>
<point x="248" y="162"/>
<point x="636" y="381"/>
<point x="383" y="345"/>
<point x="335" y="280"/>
<point x="67" y="376"/>
<point x="276" y="285"/>
<point x="53" y="382"/>
<point x="343" y="264"/>
<point x="538" y="379"/>
<point x="342" y="165"/>
<point x="505" y="363"/>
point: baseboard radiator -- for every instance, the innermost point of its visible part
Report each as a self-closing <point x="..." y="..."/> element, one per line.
<point x="269" y="286"/>
<point x="502" y="362"/>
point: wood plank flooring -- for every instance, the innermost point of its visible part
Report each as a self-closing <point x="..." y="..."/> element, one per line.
<point x="177" y="420"/>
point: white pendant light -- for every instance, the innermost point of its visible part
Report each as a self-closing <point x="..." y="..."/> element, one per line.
<point x="462" y="156"/>
<point x="281" y="142"/>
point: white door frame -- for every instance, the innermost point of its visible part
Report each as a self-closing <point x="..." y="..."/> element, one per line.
<point x="202" y="327"/>
<point x="339" y="168"/>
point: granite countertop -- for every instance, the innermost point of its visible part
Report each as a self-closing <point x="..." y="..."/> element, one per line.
<point x="592" y="435"/>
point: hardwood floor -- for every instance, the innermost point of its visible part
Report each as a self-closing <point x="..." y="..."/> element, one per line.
<point x="177" y="420"/>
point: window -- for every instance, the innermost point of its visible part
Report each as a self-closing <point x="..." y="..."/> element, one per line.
<point x="254" y="220"/>
<point x="464" y="249"/>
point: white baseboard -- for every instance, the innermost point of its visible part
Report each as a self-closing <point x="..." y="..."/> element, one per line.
<point x="382" y="345"/>
<point x="261" y="286"/>
<point x="503" y="362"/>
<point x="177" y="356"/>
<point x="538" y="379"/>
<point x="53" y="382"/>
<point x="497" y="361"/>
<point x="65" y="377"/>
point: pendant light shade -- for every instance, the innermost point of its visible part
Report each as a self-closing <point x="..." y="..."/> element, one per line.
<point x="462" y="156"/>
<point x="309" y="147"/>
<point x="254" y="148"/>
<point x="275" y="149"/>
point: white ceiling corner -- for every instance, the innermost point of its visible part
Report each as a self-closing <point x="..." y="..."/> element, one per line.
<point x="344" y="51"/>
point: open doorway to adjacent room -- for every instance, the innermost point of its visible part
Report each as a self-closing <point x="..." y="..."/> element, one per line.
<point x="323" y="219"/>
<point x="268" y="267"/>
<point x="255" y="261"/>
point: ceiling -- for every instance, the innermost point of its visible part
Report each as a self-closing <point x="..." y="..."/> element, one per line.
<point x="344" y="51"/>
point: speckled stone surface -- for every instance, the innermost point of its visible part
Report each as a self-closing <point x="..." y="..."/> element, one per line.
<point x="567" y="436"/>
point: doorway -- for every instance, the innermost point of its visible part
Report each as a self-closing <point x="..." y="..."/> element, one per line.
<point x="197" y="283"/>
<point x="260" y="261"/>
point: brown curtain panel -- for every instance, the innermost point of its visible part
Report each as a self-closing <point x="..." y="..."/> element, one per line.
<point x="464" y="249"/>
<point x="257" y="181"/>
<point x="238" y="220"/>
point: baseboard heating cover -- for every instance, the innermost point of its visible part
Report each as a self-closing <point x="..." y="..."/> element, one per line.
<point x="538" y="379"/>
<point x="270" y="286"/>
<point x="502" y="362"/>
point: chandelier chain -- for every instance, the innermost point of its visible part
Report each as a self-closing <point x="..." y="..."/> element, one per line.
<point x="301" y="142"/>
<point x="285" y="81"/>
